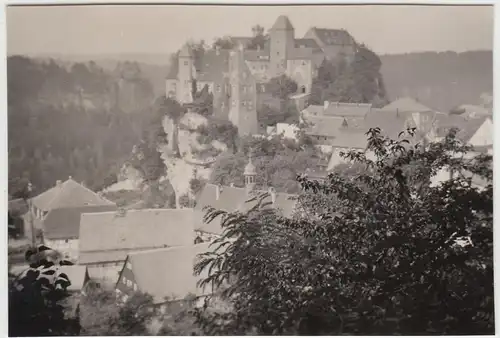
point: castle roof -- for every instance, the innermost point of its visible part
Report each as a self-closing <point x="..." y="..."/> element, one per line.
<point x="331" y="37"/>
<point x="307" y="43"/>
<point x="213" y="65"/>
<point x="282" y="23"/>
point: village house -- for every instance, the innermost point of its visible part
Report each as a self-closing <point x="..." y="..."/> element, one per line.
<point x="231" y="199"/>
<point x="56" y="212"/>
<point x="107" y="238"/>
<point x="166" y="274"/>
<point x="236" y="77"/>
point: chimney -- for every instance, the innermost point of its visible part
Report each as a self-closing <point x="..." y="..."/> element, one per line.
<point x="58" y="183"/>
<point x="325" y="105"/>
<point x="218" y="190"/>
<point x="272" y="192"/>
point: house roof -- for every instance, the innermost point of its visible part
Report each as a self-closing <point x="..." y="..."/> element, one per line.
<point x="406" y="104"/>
<point x="314" y="110"/>
<point x="470" y="109"/>
<point x="282" y="23"/>
<point x="233" y="199"/>
<point x="213" y="65"/>
<point x="391" y="123"/>
<point x="169" y="272"/>
<point x="325" y="125"/>
<point x="350" y="139"/>
<point x="68" y="194"/>
<point x="347" y="109"/>
<point x="466" y="127"/>
<point x="284" y="203"/>
<point x="333" y="36"/>
<point x="110" y="236"/>
<point x="64" y="223"/>
<point x="77" y="275"/>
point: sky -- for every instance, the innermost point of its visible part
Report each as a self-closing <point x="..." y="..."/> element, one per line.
<point x="158" y="29"/>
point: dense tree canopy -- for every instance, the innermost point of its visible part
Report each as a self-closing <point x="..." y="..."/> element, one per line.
<point x="358" y="80"/>
<point x="380" y="252"/>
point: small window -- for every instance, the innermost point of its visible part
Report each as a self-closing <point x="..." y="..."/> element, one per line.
<point x="234" y="103"/>
<point x="217" y="88"/>
<point x="222" y="105"/>
<point x="303" y="63"/>
<point x="66" y="241"/>
<point x="186" y="63"/>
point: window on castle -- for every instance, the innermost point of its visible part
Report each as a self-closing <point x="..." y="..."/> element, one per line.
<point x="244" y="89"/>
<point x="250" y="105"/>
<point x="222" y="105"/>
<point x="185" y="63"/>
<point x="234" y="103"/>
<point x="217" y="88"/>
<point x="244" y="103"/>
<point x="303" y="63"/>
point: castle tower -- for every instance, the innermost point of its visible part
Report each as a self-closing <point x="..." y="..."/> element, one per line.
<point x="282" y="41"/>
<point x="186" y="75"/>
<point x="243" y="96"/>
<point x="250" y="173"/>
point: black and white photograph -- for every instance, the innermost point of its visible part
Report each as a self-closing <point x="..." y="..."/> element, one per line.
<point x="249" y="169"/>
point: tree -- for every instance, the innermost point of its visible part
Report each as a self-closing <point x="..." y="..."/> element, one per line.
<point x="223" y="43"/>
<point x="382" y="252"/>
<point x="282" y="87"/>
<point x="102" y="314"/>
<point x="258" y="41"/>
<point x="196" y="185"/>
<point x="185" y="201"/>
<point x="38" y="297"/>
<point x="203" y="102"/>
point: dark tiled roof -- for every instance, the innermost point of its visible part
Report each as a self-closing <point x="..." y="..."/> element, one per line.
<point x="213" y="66"/>
<point x="169" y="273"/>
<point x="64" y="223"/>
<point x="109" y="236"/>
<point x="232" y="199"/>
<point x="334" y="36"/>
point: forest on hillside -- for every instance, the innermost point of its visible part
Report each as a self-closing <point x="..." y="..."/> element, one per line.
<point x="76" y="120"/>
<point x="439" y="80"/>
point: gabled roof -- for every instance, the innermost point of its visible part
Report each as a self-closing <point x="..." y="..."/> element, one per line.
<point x="282" y="23"/>
<point x="213" y="66"/>
<point x="350" y="139"/>
<point x="169" y="273"/>
<point x="333" y="36"/>
<point x="232" y="199"/>
<point x="391" y="123"/>
<point x="110" y="236"/>
<point x="327" y="126"/>
<point x="406" y="104"/>
<point x="67" y="195"/>
<point x="466" y="127"/>
<point x="347" y="109"/>
<point x="256" y="55"/>
<point x="64" y="223"/>
<point x="284" y="203"/>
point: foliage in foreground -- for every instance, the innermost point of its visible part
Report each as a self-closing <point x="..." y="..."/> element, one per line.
<point x="39" y="303"/>
<point x="380" y="252"/>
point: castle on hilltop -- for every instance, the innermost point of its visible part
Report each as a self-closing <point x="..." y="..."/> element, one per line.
<point x="236" y="77"/>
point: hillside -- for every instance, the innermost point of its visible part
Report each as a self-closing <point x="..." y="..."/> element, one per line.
<point x="439" y="80"/>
